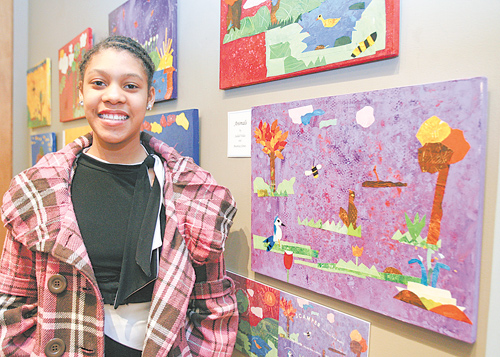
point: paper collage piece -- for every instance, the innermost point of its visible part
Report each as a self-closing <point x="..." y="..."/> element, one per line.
<point x="42" y="144"/>
<point x="71" y="134"/>
<point x="153" y="24"/>
<point x="39" y="94"/>
<point x="69" y="59"/>
<point x="265" y="40"/>
<point x="180" y="130"/>
<point x="274" y="323"/>
<point x="380" y="194"/>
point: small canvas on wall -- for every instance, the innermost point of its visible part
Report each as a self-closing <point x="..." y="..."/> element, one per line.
<point x="39" y="94"/>
<point x="42" y="144"/>
<point x="71" y="134"/>
<point x="380" y="194"/>
<point x="265" y="40"/>
<point x="153" y="24"/>
<point x="69" y="59"/>
<point x="179" y="130"/>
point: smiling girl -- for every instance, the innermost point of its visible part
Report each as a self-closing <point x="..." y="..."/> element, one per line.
<point x="114" y="243"/>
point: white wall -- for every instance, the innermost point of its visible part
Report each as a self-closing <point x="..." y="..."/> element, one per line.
<point x="439" y="40"/>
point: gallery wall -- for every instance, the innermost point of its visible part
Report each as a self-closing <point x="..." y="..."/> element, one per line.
<point x="439" y="41"/>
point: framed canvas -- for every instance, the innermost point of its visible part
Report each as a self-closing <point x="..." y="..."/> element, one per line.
<point x="380" y="194"/>
<point x="69" y="60"/>
<point x="153" y="24"/>
<point x="178" y="129"/>
<point x="39" y="94"/>
<point x="42" y="144"/>
<point x="266" y="40"/>
<point x="275" y="323"/>
<point x="71" y="134"/>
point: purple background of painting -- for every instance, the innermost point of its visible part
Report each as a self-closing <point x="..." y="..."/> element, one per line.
<point x="164" y="10"/>
<point x="324" y="334"/>
<point x="348" y="154"/>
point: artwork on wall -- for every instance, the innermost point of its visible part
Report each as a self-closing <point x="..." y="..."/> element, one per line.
<point x="153" y="24"/>
<point x="265" y="40"/>
<point x="71" y="134"/>
<point x="179" y="130"/>
<point x="69" y="60"/>
<point x="381" y="195"/>
<point x="275" y="323"/>
<point x="38" y="94"/>
<point x="42" y="144"/>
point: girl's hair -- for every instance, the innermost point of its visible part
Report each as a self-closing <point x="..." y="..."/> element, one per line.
<point x="125" y="44"/>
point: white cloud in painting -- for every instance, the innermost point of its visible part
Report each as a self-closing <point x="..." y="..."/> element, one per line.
<point x="250" y="292"/>
<point x="331" y="318"/>
<point x="63" y="63"/>
<point x="252" y="3"/>
<point x="297" y="113"/>
<point x="365" y="117"/>
<point x="302" y="302"/>
<point x="257" y="311"/>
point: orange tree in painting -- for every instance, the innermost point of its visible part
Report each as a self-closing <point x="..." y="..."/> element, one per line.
<point x="289" y="312"/>
<point x="273" y="142"/>
<point x="441" y="147"/>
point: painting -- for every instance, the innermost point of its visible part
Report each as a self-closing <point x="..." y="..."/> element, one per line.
<point x="69" y="60"/>
<point x="42" y="144"/>
<point x="38" y="94"/>
<point x="266" y="40"/>
<point x="275" y="323"/>
<point x="178" y="129"/>
<point x="153" y="24"/>
<point x="381" y="195"/>
<point x="71" y="134"/>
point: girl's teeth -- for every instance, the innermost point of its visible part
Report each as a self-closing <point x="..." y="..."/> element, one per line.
<point x="113" y="116"/>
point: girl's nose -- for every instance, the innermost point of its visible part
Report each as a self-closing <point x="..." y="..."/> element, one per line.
<point x="113" y="94"/>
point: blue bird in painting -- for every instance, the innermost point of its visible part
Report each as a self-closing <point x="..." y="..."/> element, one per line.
<point x="277" y="234"/>
<point x="258" y="346"/>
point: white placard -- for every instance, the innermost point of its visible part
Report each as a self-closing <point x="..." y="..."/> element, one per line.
<point x="239" y="133"/>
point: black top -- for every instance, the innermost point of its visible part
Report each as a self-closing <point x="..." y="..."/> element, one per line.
<point x="111" y="205"/>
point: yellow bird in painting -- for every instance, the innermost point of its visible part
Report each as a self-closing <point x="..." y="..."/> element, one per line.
<point x="328" y="22"/>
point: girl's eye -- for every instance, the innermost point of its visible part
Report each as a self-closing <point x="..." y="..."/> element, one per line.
<point x="98" y="83"/>
<point x="131" y="86"/>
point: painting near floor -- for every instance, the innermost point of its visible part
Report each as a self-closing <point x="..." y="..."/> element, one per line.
<point x="275" y="323"/>
<point x="180" y="130"/>
<point x="39" y="94"/>
<point x="42" y="144"/>
<point x="153" y="24"/>
<point x="265" y="40"/>
<point x="380" y="194"/>
<point x="69" y="59"/>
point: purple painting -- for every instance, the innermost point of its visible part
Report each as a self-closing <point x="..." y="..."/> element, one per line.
<point x="376" y="199"/>
<point x="153" y="24"/>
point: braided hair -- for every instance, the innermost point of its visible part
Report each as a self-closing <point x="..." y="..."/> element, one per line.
<point x="121" y="43"/>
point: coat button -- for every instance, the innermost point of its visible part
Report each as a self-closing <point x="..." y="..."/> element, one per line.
<point x="55" y="347"/>
<point x="57" y="284"/>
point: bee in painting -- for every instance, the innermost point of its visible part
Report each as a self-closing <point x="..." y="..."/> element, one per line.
<point x="313" y="171"/>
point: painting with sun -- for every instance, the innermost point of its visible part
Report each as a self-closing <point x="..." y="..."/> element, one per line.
<point x="153" y="24"/>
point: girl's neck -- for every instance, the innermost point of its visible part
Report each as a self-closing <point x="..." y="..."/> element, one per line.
<point x="124" y="155"/>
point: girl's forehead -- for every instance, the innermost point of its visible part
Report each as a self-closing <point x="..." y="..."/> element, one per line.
<point x="116" y="59"/>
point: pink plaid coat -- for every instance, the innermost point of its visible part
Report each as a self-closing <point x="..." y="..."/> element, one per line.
<point x="193" y="311"/>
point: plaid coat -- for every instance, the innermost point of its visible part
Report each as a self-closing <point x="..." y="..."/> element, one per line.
<point x="193" y="310"/>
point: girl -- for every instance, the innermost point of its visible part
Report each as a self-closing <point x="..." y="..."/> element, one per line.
<point x="114" y="243"/>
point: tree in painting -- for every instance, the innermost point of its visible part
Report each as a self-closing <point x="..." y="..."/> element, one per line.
<point x="289" y="312"/>
<point x="273" y="141"/>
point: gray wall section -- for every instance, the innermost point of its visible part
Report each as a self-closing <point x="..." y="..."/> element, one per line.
<point x="439" y="40"/>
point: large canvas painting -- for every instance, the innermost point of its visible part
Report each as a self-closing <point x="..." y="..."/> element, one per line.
<point x="376" y="198"/>
<point x="180" y="130"/>
<point x="39" y="94"/>
<point x="153" y="24"/>
<point x="275" y="323"/>
<point x="265" y="40"/>
<point x="42" y="144"/>
<point x="69" y="60"/>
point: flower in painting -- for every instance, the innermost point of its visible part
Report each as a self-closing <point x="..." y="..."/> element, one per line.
<point x="63" y="62"/>
<point x="357" y="252"/>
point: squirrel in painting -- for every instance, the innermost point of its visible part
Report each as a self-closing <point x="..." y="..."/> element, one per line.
<point x="351" y="216"/>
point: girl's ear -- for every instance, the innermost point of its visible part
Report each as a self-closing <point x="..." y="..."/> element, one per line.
<point x="80" y="90"/>
<point x="151" y="97"/>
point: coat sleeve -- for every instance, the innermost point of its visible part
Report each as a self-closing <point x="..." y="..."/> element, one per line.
<point x="18" y="304"/>
<point x="205" y="212"/>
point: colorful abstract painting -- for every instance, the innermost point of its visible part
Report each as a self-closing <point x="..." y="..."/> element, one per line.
<point x="42" y="144"/>
<point x="180" y="130"/>
<point x="39" y="94"/>
<point x="68" y="61"/>
<point x="380" y="194"/>
<point x="275" y="323"/>
<point x="153" y="24"/>
<point x="265" y="40"/>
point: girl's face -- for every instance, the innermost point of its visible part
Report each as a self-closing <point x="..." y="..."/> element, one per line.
<point x="115" y="95"/>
